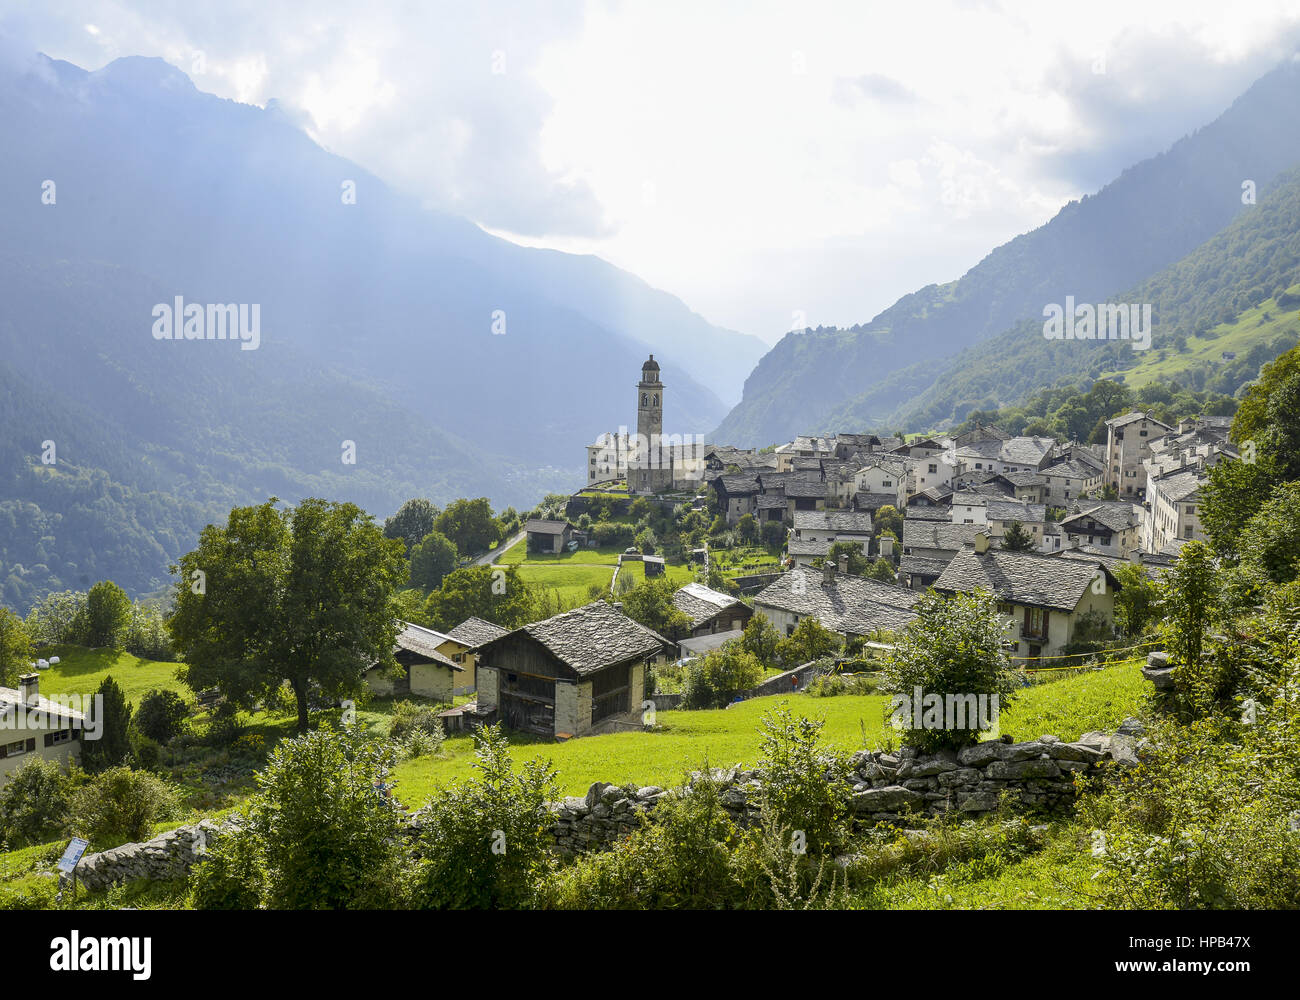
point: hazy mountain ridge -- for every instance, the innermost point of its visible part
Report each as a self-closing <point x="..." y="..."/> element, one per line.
<point x="1153" y="214"/>
<point x="376" y="327"/>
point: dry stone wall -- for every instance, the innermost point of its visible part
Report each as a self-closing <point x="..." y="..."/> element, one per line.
<point x="168" y="856"/>
<point x="1035" y="776"/>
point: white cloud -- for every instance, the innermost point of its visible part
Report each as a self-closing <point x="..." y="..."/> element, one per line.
<point x="682" y="141"/>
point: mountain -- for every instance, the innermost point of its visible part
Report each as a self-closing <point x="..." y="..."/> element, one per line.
<point x="1152" y="215"/>
<point x="1218" y="314"/>
<point x="456" y="362"/>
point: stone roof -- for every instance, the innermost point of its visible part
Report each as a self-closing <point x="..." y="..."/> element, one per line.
<point x="1091" y="554"/>
<point x="852" y="521"/>
<point x="590" y="638"/>
<point x="1179" y="486"/>
<point x="808" y="546"/>
<point x="473" y="632"/>
<point x="923" y="534"/>
<point x="849" y="604"/>
<point x="1110" y="516"/>
<point x="1026" y="450"/>
<point x="424" y="642"/>
<point x="1024" y="478"/>
<point x="865" y="500"/>
<point x="923" y="565"/>
<point x="1072" y="468"/>
<point x="1021" y="577"/>
<point x="805" y="489"/>
<point x="770" y="501"/>
<point x="700" y="603"/>
<point x="738" y="485"/>
<point x="1016" y="510"/>
<point x="539" y="526"/>
<point x="939" y="513"/>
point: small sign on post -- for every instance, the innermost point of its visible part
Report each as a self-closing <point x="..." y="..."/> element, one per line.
<point x="71" y="858"/>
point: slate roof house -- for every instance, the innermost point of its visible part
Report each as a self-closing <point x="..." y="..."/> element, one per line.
<point x="815" y="531"/>
<point x="1044" y="596"/>
<point x="1113" y="527"/>
<point x="928" y="547"/>
<point x="462" y="647"/>
<point x="571" y="674"/>
<point x="850" y="605"/>
<point x="422" y="668"/>
<point x="711" y="611"/>
<point x="1128" y="442"/>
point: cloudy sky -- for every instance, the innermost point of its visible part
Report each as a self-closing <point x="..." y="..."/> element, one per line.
<point x="757" y="159"/>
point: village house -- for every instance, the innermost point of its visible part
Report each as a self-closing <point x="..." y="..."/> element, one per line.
<point x="928" y="547"/>
<point x="33" y="726"/>
<point x="886" y="475"/>
<point x="815" y="531"/>
<point x="711" y="611"/>
<point x="1070" y="478"/>
<point x="1114" y="528"/>
<point x="737" y="496"/>
<point x="1172" y="515"/>
<point x="1128" y="442"/>
<point x="849" y="605"/>
<point x="578" y="672"/>
<point x="1016" y="454"/>
<point x="462" y="644"/>
<point x="422" y="668"/>
<point x="1045" y="597"/>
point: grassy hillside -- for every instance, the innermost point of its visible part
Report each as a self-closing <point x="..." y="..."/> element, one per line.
<point x="1253" y="336"/>
<point x="685" y="740"/>
<point x="81" y="670"/>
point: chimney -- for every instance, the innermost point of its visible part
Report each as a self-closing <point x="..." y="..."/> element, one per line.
<point x="828" y="572"/>
<point x="886" y="547"/>
<point x="844" y="563"/>
<point x="30" y="685"/>
<point x="981" y="542"/>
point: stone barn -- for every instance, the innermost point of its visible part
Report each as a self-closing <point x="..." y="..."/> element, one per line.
<point x="575" y="673"/>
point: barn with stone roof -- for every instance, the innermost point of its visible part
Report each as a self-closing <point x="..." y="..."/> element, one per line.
<point x="579" y="672"/>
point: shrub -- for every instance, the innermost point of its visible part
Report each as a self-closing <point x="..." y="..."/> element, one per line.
<point x="682" y="860"/>
<point x="409" y="716"/>
<point x="231" y="876"/>
<point x="327" y="835"/>
<point x="34" y="804"/>
<point x="120" y="805"/>
<point x="486" y="844"/>
<point x="1207" y="821"/>
<point x="225" y="725"/>
<point x="952" y="650"/>
<point x="425" y="743"/>
<point x="803" y="785"/>
<point x="713" y="679"/>
<point x="810" y="640"/>
<point x="161" y="715"/>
